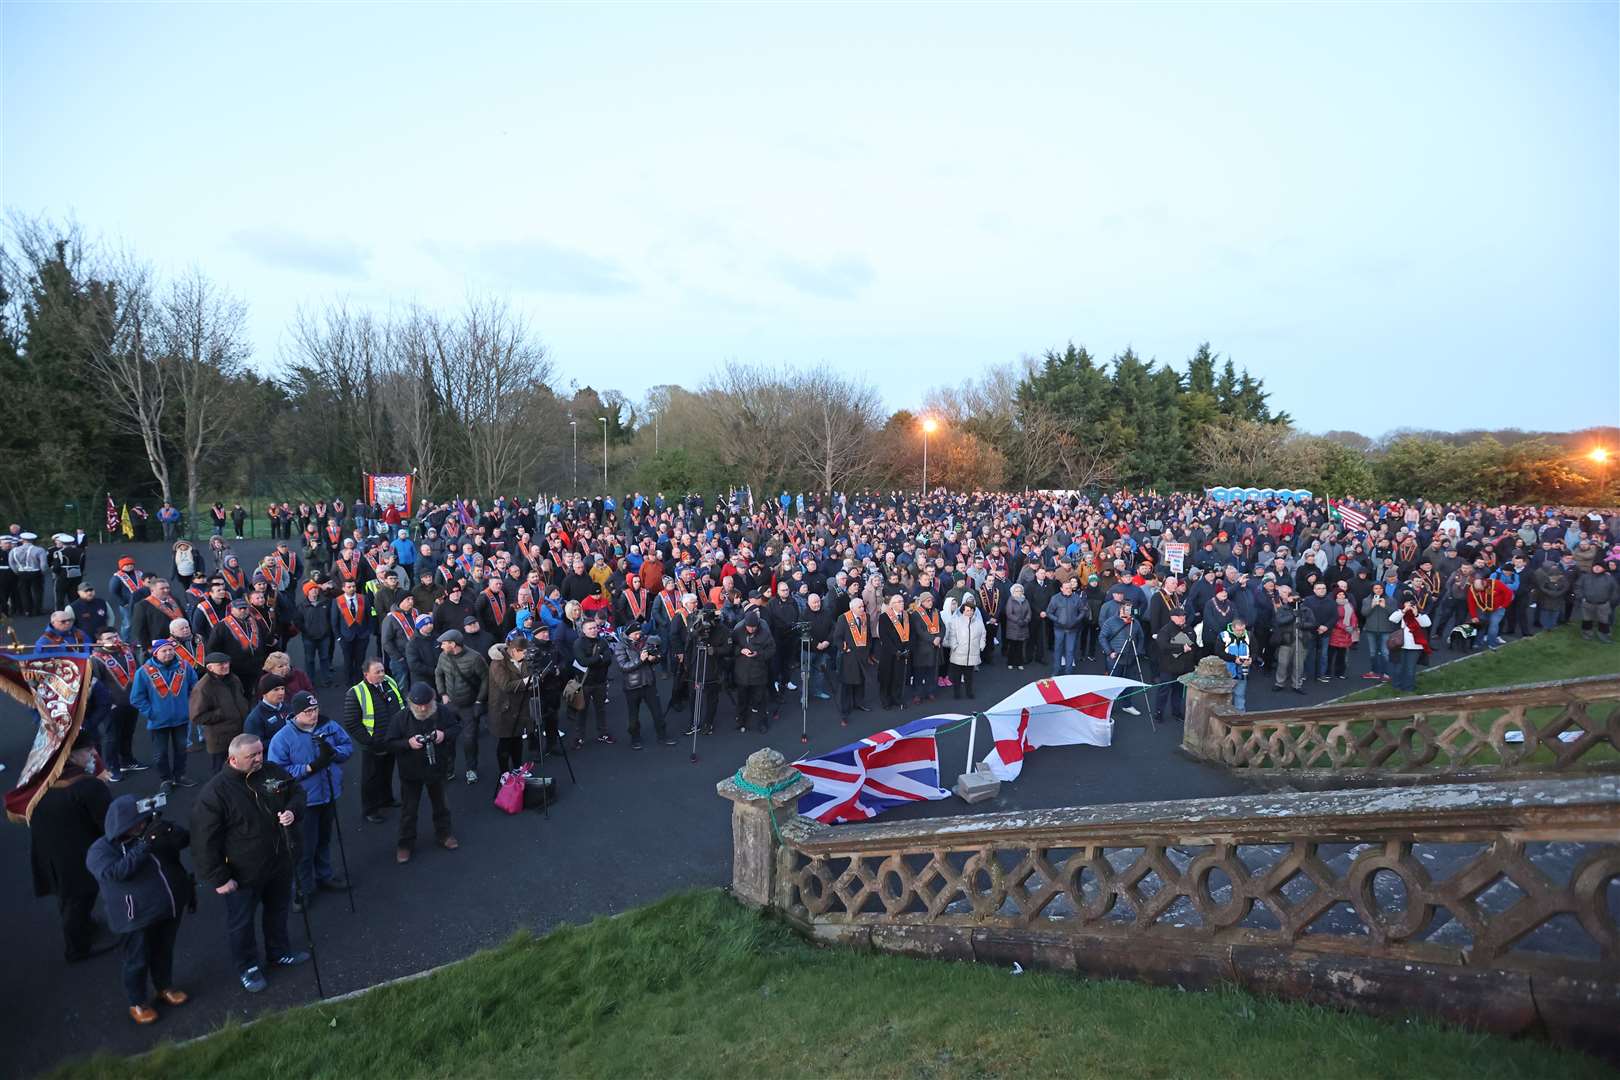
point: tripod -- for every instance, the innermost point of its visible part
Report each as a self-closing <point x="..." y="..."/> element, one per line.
<point x="1136" y="659"/>
<point x="700" y="677"/>
<point x="804" y="688"/>
<point x="343" y="854"/>
<point x="303" y="907"/>
<point x="537" y="719"/>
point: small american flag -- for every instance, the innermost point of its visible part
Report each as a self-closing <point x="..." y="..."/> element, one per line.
<point x="882" y="771"/>
<point x="1353" y="519"/>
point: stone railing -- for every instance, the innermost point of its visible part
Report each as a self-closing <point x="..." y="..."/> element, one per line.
<point x="1489" y="904"/>
<point x="1567" y="727"/>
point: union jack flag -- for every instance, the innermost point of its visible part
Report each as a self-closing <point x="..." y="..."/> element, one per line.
<point x="882" y="771"/>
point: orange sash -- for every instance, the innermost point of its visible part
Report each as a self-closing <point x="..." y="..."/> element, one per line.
<point x="857" y="632"/>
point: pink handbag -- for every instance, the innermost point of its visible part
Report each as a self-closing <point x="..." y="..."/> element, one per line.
<point x="510" y="797"/>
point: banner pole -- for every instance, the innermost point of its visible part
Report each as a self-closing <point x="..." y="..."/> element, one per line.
<point x="973" y="734"/>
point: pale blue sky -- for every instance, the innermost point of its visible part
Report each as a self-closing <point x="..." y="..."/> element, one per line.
<point x="1397" y="215"/>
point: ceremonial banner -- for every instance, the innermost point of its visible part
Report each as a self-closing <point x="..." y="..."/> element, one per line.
<point x="390" y="490"/>
<point x="112" y="516"/>
<point x="1064" y="711"/>
<point x="56" y="688"/>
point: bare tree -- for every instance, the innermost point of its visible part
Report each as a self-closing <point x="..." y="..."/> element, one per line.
<point x="493" y="378"/>
<point x="347" y="351"/>
<point x="834" y="427"/>
<point x="749" y="411"/>
<point x="119" y="353"/>
<point x="409" y="396"/>
<point x="201" y="331"/>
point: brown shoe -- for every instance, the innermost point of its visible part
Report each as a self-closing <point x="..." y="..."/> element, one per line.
<point x="403" y="855"/>
<point x="174" y="997"/>
<point x="449" y="843"/>
<point x="143" y="1014"/>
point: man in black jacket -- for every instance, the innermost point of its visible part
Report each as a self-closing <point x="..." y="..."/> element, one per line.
<point x="634" y="657"/>
<point x="754" y="648"/>
<point x="66" y="821"/>
<point x="422" y="737"/>
<point x="592" y="660"/>
<point x="1176" y="654"/>
<point x="242" y="848"/>
<point x="699" y="670"/>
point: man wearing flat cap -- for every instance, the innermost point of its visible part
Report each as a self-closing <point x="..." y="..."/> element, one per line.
<point x="219" y="706"/>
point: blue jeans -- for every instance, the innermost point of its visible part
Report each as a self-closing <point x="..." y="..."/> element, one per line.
<point x="314" y="857"/>
<point x="1406" y="670"/>
<point x="1240" y="695"/>
<point x="169" y="744"/>
<point x="1547" y="618"/>
<point x="401" y="671"/>
<point x="1321" y="647"/>
<point x="1377" y="650"/>
<point x="1064" y="642"/>
<point x="1493" y="630"/>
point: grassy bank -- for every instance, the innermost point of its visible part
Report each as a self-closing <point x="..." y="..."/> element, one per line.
<point x="695" y="985"/>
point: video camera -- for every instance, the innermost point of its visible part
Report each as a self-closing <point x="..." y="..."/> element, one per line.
<point x="154" y="805"/>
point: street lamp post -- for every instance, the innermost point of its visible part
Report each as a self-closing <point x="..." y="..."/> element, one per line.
<point x="604" y="455"/>
<point x="575" y="425"/>
<point x="929" y="425"/>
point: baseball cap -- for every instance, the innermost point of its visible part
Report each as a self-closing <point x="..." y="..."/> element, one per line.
<point x="303" y="700"/>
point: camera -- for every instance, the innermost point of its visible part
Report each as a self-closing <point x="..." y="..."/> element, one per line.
<point x="154" y="805"/>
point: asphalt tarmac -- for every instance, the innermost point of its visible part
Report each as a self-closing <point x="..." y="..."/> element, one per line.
<point x="635" y="827"/>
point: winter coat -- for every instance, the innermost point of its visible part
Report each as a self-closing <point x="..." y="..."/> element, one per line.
<point x="1066" y="612"/>
<point x="297" y="751"/>
<point x="221" y="708"/>
<point x="1596" y="589"/>
<point x="964" y="637"/>
<point x="1552" y="585"/>
<point x="163" y="707"/>
<point x="422" y="657"/>
<point x="1016" y="619"/>
<point x="66" y="821"/>
<point x="1171" y="652"/>
<point x="143" y="881"/>
<point x="508" y="699"/>
<point x="1378" y="619"/>
<point x="924" y="653"/>
<point x="752" y="670"/>
<point x="1345" y="622"/>
<point x="463" y="678"/>
<point x="413" y="764"/>
<point x="1117" y="634"/>
<point x="234" y="832"/>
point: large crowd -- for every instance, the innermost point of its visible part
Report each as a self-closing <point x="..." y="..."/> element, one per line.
<point x="515" y="622"/>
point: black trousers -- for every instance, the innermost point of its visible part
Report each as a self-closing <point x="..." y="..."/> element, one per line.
<point x="850" y="696"/>
<point x="274" y="898"/>
<point x="508" y="753"/>
<point x="711" y="705"/>
<point x="376" y="781"/>
<point x="30" y="593"/>
<point x="751" y="701"/>
<point x="472" y="726"/>
<point x="77" y="930"/>
<point x="962" y="679"/>
<point x="891" y="680"/>
<point x="410" y="797"/>
<point x="354" y="655"/>
<point x="634" y="700"/>
<point x="595" y="701"/>
<point x="149" y="956"/>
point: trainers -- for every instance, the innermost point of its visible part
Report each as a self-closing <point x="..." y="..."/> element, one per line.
<point x="666" y="741"/>
<point x="403" y="855"/>
<point x="292" y="958"/>
<point x="174" y="997"/>
<point x="635" y="744"/>
<point x="185" y="781"/>
<point x="689" y="732"/>
<point x="472" y="776"/>
<point x="136" y="766"/>
<point x="793" y="686"/>
<point x="253" y="980"/>
<point x="143" y="1014"/>
<point x="606" y="738"/>
<point x="115" y="777"/>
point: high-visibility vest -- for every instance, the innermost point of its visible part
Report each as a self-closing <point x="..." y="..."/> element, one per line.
<point x="368" y="706"/>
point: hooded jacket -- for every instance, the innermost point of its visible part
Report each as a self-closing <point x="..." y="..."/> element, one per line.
<point x="142" y="880"/>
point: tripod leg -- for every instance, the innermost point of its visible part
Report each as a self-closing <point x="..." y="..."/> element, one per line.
<point x="343" y="856"/>
<point x="303" y="907"/>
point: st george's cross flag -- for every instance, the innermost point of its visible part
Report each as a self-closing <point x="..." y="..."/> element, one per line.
<point x="882" y="771"/>
<point x="1062" y="711"/>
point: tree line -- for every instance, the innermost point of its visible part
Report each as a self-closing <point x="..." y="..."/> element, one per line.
<point x="119" y="381"/>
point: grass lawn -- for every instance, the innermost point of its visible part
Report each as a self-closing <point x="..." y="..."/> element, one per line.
<point x="696" y="985"/>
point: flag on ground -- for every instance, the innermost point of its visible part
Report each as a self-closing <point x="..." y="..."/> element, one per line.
<point x="1063" y="711"/>
<point x="1352" y="519"/>
<point x="882" y="771"/>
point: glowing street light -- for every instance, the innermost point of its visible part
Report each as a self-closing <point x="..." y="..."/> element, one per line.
<point x="929" y="426"/>
<point x="1600" y="458"/>
<point x="1599" y="454"/>
<point x="604" y="455"/>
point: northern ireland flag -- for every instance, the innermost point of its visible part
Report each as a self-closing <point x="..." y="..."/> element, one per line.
<point x="882" y="771"/>
<point x="1065" y="711"/>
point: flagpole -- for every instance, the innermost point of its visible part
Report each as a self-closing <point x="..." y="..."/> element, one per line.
<point x="973" y="734"/>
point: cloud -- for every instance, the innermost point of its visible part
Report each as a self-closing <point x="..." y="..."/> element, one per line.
<point x="841" y="279"/>
<point x="290" y="251"/>
<point x="538" y="266"/>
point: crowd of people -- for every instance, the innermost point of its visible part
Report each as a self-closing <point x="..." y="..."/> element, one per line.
<point x="462" y="625"/>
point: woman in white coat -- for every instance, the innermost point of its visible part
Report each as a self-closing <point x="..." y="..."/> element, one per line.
<point x="964" y="642"/>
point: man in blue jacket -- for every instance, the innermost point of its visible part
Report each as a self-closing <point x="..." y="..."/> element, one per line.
<point x="145" y="887"/>
<point x="161" y="694"/>
<point x="308" y="746"/>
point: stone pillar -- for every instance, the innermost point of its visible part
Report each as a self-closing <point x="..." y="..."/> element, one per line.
<point x="1209" y="690"/>
<point x="753" y="840"/>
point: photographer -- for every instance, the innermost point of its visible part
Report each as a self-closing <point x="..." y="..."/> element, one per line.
<point x="242" y="848"/>
<point x="146" y="887"/>
<point x="544" y="662"/>
<point x="1294" y="630"/>
<point x="510" y="688"/>
<point x="308" y="747"/>
<point x="462" y="679"/>
<point x="819" y="630"/>
<point x="591" y="661"/>
<point x="1235" y="650"/>
<point x="782" y="616"/>
<point x="423" y="739"/>
<point x="705" y="630"/>
<point x="636" y="657"/>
